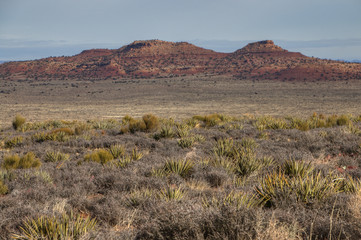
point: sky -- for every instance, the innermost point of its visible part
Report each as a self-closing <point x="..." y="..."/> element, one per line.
<point x="32" y="29"/>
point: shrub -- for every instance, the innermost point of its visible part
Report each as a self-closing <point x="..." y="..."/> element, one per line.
<point x="343" y="120"/>
<point x="16" y="141"/>
<point x="182" y="167"/>
<point x="136" y="125"/>
<point x="29" y="160"/>
<point x="54" y="156"/>
<point x="15" y="162"/>
<point x="151" y="122"/>
<point x="18" y="121"/>
<point x="67" y="131"/>
<point x="3" y="188"/>
<point x="64" y="227"/>
<point x="102" y="156"/>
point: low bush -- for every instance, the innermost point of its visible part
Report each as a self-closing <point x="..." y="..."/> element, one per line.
<point x="29" y="160"/>
<point x="18" y="122"/>
<point x="101" y="156"/>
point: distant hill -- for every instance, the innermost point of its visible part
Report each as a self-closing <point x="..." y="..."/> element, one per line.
<point x="156" y="58"/>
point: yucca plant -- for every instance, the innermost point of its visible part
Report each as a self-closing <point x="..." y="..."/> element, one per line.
<point x="295" y="168"/>
<point x="186" y="142"/>
<point x="56" y="156"/>
<point x="123" y="161"/>
<point x="183" y="130"/>
<point x="57" y="228"/>
<point x="117" y="150"/>
<point x="171" y="193"/>
<point x="347" y="184"/>
<point x="15" y="141"/>
<point x="237" y="200"/>
<point x="224" y="148"/>
<point x="313" y="188"/>
<point x="166" y="131"/>
<point x="274" y="187"/>
<point x="136" y="155"/>
<point x="183" y="168"/>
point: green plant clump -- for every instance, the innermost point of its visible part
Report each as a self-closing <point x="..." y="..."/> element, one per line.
<point x="18" y="121"/>
<point x="102" y="156"/>
<point x="65" y="227"/>
<point x="3" y="188"/>
<point x="29" y="160"/>
<point x="182" y="167"/>
<point x="16" y="141"/>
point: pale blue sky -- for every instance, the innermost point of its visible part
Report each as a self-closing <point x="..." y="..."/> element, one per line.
<point x="32" y="29"/>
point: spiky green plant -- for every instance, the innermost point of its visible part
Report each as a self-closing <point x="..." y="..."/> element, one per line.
<point x="183" y="168"/>
<point x="186" y="142"/>
<point x="237" y="200"/>
<point x="224" y="148"/>
<point x="295" y="168"/>
<point x="182" y="130"/>
<point x="65" y="227"/>
<point x="56" y="156"/>
<point x="15" y="141"/>
<point x="136" y="155"/>
<point x="117" y="150"/>
<point x="172" y="193"/>
<point x="123" y="161"/>
<point x="274" y="187"/>
<point x="314" y="187"/>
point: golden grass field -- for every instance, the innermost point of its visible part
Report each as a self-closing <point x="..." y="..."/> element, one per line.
<point x="178" y="97"/>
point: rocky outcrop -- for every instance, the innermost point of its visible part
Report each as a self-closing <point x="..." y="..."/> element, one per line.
<point x="156" y="58"/>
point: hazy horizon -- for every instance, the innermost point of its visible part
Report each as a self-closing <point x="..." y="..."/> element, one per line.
<point x="42" y="28"/>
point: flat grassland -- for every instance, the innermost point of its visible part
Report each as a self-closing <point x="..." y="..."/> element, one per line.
<point x="177" y="97"/>
<point x="79" y="167"/>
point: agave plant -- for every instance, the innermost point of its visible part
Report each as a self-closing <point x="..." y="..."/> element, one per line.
<point x="182" y="167"/>
<point x="65" y="227"/>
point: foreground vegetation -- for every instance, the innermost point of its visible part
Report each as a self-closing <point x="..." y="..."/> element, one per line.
<point x="206" y="177"/>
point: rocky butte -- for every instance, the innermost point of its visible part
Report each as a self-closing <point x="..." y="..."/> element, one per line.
<point x="156" y="58"/>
